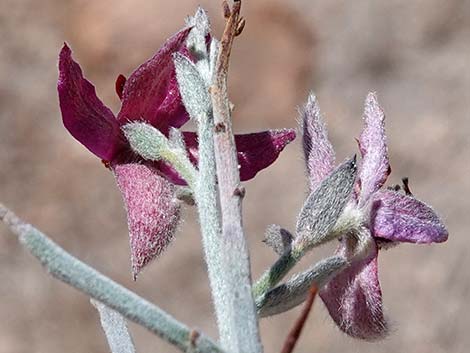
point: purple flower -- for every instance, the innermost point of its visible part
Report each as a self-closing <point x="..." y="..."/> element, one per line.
<point x="374" y="217"/>
<point x="150" y="94"/>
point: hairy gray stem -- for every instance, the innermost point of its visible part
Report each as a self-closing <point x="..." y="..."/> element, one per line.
<point x="239" y="328"/>
<point x="72" y="271"/>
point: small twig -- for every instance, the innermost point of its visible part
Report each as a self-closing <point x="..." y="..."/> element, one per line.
<point x="295" y="332"/>
<point x="72" y="271"/>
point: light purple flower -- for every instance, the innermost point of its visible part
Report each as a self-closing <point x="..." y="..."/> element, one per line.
<point x="354" y="297"/>
<point x="150" y="94"/>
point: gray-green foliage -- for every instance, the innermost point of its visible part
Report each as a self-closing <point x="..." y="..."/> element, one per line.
<point x="324" y="206"/>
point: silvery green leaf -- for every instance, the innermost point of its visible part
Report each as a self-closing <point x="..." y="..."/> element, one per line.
<point x="324" y="205"/>
<point x="115" y="328"/>
<point x="176" y="139"/>
<point x="295" y="291"/>
<point x="278" y="238"/>
<point x="193" y="89"/>
<point x="146" y="140"/>
<point x="213" y="54"/>
<point x="201" y="28"/>
<point x="196" y="42"/>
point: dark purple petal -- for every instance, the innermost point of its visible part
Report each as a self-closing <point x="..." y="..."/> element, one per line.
<point x="256" y="151"/>
<point x="119" y="85"/>
<point x="318" y="151"/>
<point x="169" y="172"/>
<point x="402" y="218"/>
<point x="354" y="299"/>
<point x="152" y="211"/>
<point x="259" y="150"/>
<point x="375" y="167"/>
<point x="83" y="114"/>
<point x="151" y="92"/>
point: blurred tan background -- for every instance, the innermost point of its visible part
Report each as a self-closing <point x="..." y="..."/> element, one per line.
<point x="415" y="54"/>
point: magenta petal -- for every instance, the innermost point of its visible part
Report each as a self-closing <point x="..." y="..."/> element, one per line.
<point x="318" y="151"/>
<point x="83" y="114"/>
<point x="375" y="167"/>
<point x="259" y="150"/>
<point x="169" y="172"/>
<point x="151" y="92"/>
<point x="354" y="299"/>
<point x="152" y="211"/>
<point x="402" y="218"/>
<point x="256" y="151"/>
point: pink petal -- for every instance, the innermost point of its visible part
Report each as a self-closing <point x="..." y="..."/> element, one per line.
<point x="83" y="114"/>
<point x="375" y="167"/>
<point x="152" y="211"/>
<point x="402" y="218"/>
<point x="151" y="92"/>
<point x="318" y="151"/>
<point x="354" y="299"/>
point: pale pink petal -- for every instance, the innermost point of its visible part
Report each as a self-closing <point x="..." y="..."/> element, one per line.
<point x="151" y="92"/>
<point x="318" y="151"/>
<point x="83" y="114"/>
<point x="402" y="218"/>
<point x="354" y="299"/>
<point x="152" y="211"/>
<point x="375" y="167"/>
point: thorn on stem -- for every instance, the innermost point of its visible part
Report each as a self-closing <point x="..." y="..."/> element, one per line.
<point x="240" y="191"/>
<point x="220" y="127"/>
<point x="226" y="9"/>
<point x="240" y="26"/>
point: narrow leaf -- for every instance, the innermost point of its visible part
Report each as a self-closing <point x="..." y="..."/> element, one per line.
<point x="295" y="291"/>
<point x="193" y="90"/>
<point x="115" y="328"/>
<point x="146" y="140"/>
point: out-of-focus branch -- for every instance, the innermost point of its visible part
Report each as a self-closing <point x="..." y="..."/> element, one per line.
<point x="294" y="334"/>
<point x="239" y="324"/>
<point x="72" y="271"/>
